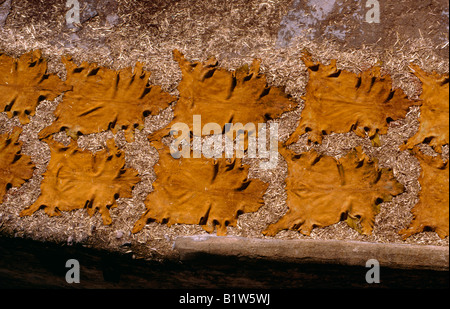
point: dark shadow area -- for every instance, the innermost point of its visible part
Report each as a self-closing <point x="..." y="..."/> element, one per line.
<point x="31" y="264"/>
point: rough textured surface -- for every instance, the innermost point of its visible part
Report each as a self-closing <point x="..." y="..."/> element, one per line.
<point x="77" y="179"/>
<point x="15" y="168"/>
<point x="235" y="32"/>
<point x="434" y="117"/>
<point x="344" y="21"/>
<point x="338" y="101"/>
<point x="212" y="193"/>
<point x="99" y="98"/>
<point x="24" y="83"/>
<point x="5" y="7"/>
<point x="322" y="191"/>
<point x="221" y="96"/>
<point x="432" y="210"/>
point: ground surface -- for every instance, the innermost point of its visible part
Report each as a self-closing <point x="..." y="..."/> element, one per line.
<point x="117" y="34"/>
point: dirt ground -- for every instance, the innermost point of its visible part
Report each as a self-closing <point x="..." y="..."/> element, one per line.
<point x="117" y="34"/>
